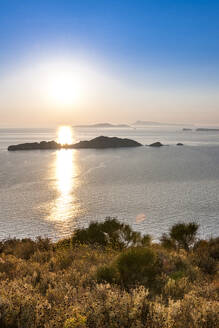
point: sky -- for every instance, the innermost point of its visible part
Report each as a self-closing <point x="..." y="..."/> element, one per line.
<point x="88" y="61"/>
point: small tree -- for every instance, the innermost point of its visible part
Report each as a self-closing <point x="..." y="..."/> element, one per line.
<point x="167" y="242"/>
<point x="111" y="233"/>
<point x="181" y="235"/>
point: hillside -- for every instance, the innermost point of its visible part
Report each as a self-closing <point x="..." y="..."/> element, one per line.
<point x="110" y="276"/>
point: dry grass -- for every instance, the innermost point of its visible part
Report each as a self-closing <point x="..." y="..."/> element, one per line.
<point x="49" y="285"/>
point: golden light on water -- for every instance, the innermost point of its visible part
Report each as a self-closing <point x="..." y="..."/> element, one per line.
<point x="65" y="173"/>
<point x="65" y="136"/>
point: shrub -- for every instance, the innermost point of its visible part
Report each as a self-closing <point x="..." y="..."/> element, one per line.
<point x="79" y="321"/>
<point x="214" y="248"/>
<point x="63" y="244"/>
<point x="208" y="246"/>
<point x="7" y="267"/>
<point x="167" y="242"/>
<point x="181" y="235"/>
<point x="111" y="307"/>
<point x="194" y="312"/>
<point x="177" y="287"/>
<point x="137" y="266"/>
<point x="146" y="240"/>
<point x="92" y="235"/>
<point x="60" y="286"/>
<point x="43" y="244"/>
<point x="8" y="246"/>
<point x="206" y="255"/>
<point x="64" y="259"/>
<point x="41" y="256"/>
<point x="207" y="264"/>
<point x="107" y="274"/>
<point x="109" y="233"/>
<point x="24" y="249"/>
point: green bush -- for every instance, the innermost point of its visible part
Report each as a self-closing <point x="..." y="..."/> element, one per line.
<point x="137" y="266"/>
<point x="25" y="248"/>
<point x="207" y="264"/>
<point x="208" y="246"/>
<point x="181" y="235"/>
<point x="214" y="248"/>
<point x="110" y="233"/>
<point x="107" y="274"/>
<point x="206" y="255"/>
<point x="167" y="242"/>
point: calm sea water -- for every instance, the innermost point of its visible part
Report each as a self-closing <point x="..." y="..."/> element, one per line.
<point x="50" y="193"/>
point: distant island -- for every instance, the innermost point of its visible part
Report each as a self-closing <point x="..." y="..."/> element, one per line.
<point x="149" y="123"/>
<point x="208" y="129"/>
<point x="132" y="125"/>
<point x="96" y="143"/>
<point x="102" y="125"/>
<point x="156" y="144"/>
<point x="187" y="129"/>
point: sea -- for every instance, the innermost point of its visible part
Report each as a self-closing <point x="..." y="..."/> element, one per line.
<point x="50" y="193"/>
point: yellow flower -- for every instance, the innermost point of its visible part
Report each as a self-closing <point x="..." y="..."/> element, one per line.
<point x="79" y="321"/>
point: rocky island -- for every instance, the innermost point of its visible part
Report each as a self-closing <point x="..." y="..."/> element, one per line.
<point x="36" y="146"/>
<point x="96" y="143"/>
<point x="106" y="142"/>
<point x="156" y="144"/>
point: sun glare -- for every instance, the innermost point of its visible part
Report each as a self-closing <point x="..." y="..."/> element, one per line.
<point x="62" y="91"/>
<point x="63" y="84"/>
<point x="65" y="135"/>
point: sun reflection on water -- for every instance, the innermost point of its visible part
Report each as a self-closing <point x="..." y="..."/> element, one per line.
<point x="66" y="171"/>
<point x="65" y="207"/>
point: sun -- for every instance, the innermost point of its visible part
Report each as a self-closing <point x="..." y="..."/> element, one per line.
<point x="65" y="135"/>
<point x="62" y="88"/>
<point x="65" y="85"/>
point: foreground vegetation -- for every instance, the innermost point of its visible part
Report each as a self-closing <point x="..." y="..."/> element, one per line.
<point x="108" y="276"/>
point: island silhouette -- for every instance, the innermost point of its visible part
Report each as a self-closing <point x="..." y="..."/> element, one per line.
<point x="100" y="142"/>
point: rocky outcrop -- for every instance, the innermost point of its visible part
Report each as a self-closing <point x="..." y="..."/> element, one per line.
<point x="179" y="144"/>
<point x="156" y="144"/>
<point x="97" y="143"/>
<point x="36" y="146"/>
<point x="107" y="142"/>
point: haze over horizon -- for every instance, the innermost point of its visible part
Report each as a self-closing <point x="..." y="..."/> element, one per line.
<point x="84" y="62"/>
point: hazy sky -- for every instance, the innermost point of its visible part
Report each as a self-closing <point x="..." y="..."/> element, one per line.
<point x="85" y="61"/>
